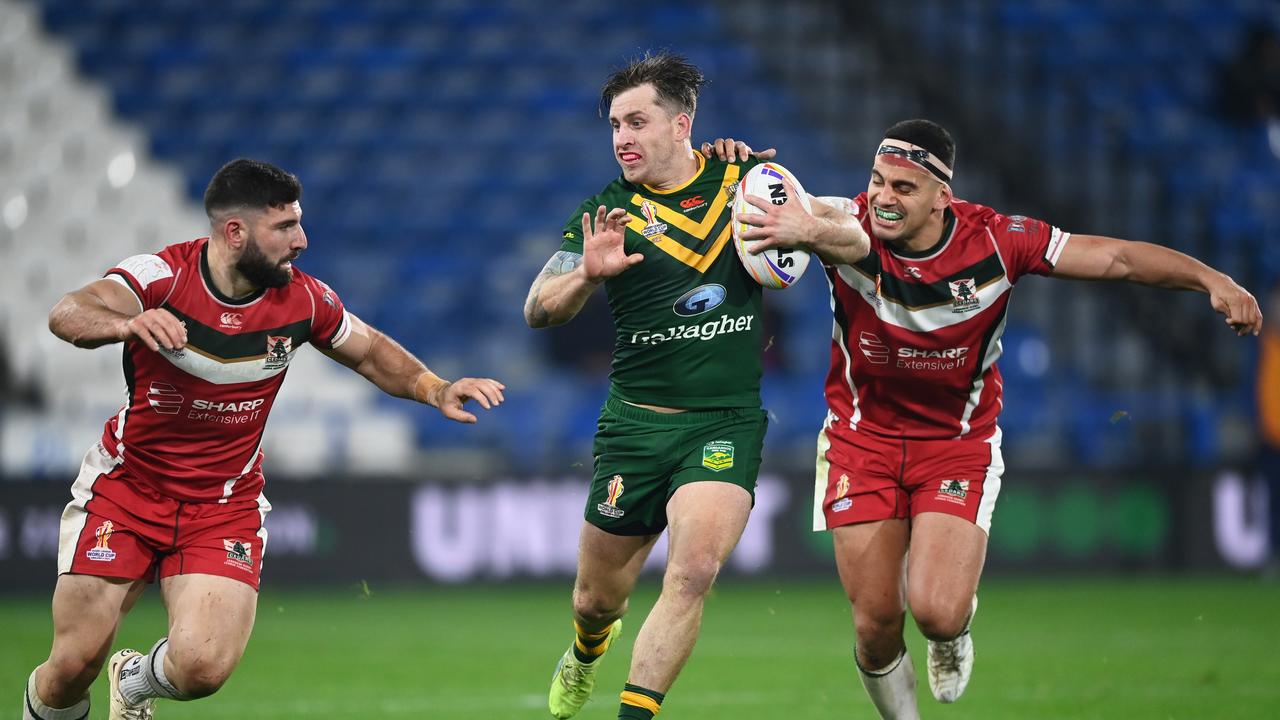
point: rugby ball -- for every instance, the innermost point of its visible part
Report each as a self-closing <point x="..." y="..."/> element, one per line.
<point x="775" y="268"/>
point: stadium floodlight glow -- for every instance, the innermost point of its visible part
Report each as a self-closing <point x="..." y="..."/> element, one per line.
<point x="15" y="212"/>
<point x="121" y="168"/>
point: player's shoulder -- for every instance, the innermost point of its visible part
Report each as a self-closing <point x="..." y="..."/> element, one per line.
<point x="165" y="263"/>
<point x="985" y="218"/>
<point x="971" y="212"/>
<point x="306" y="282"/>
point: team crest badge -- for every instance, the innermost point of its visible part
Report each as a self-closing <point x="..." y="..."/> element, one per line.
<point x="278" y="349"/>
<point x="730" y="192"/>
<point x="651" y="225"/>
<point x="239" y="554"/>
<point x="100" y="552"/>
<point x="964" y="296"/>
<point x="717" y="455"/>
<point x="955" y="491"/>
<point x="609" y="508"/>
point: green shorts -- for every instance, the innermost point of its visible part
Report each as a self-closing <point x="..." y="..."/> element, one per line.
<point x="642" y="456"/>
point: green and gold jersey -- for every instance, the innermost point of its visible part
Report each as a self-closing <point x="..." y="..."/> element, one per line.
<point x="688" y="318"/>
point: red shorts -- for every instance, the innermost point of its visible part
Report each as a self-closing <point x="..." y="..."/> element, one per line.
<point x="117" y="526"/>
<point x="863" y="478"/>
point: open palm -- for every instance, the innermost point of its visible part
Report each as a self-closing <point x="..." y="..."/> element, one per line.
<point x="603" y="255"/>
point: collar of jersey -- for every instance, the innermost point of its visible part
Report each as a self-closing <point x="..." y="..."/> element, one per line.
<point x="948" y="230"/>
<point x="702" y="165"/>
<point x="213" y="289"/>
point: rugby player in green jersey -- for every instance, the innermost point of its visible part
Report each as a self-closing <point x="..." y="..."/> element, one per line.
<point x="680" y="434"/>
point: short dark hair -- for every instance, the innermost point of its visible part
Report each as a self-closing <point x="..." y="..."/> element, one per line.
<point x="927" y="134"/>
<point x="250" y="183"/>
<point x="676" y="80"/>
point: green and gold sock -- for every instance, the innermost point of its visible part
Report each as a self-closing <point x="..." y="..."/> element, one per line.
<point x="589" y="646"/>
<point x="639" y="703"/>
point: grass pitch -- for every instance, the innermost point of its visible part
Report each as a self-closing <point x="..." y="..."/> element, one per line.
<point x="1046" y="648"/>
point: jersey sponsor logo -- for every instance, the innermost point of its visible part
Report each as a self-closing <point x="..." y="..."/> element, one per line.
<point x="914" y="272"/>
<point x="227" y="407"/>
<point x="708" y="330"/>
<point x="921" y="359"/>
<point x="231" y="320"/>
<point x="146" y="269"/>
<point x="699" y="300"/>
<point x="164" y="398"/>
<point x="717" y="455"/>
<point x="100" y="552"/>
<point x="278" y="349"/>
<point x="964" y="294"/>
<point x="692" y="203"/>
<point x="874" y="348"/>
<point x="226" y="413"/>
<point x="239" y="554"/>
<point x="953" y="491"/>
<point x="651" y="225"/>
<point x="609" y="508"/>
<point x="952" y="353"/>
<point x="1017" y="223"/>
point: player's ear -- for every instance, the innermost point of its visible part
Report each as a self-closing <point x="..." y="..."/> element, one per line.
<point x="944" y="197"/>
<point x="684" y="126"/>
<point x="234" y="231"/>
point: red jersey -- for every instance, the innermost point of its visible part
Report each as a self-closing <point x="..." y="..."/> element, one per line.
<point x="917" y="335"/>
<point x="193" y="424"/>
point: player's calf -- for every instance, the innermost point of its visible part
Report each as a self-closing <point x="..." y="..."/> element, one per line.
<point x="951" y="662"/>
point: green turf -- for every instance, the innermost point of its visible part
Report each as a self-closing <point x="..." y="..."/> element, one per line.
<point x="1061" y="648"/>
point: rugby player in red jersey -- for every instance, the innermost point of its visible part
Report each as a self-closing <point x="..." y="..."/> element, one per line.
<point x="172" y="491"/>
<point x="909" y="457"/>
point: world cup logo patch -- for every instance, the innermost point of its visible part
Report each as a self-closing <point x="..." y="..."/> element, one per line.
<point x="609" y="508"/>
<point x="651" y="226"/>
<point x="100" y="552"/>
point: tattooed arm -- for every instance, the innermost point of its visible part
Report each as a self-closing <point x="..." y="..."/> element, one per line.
<point x="559" y="291"/>
<point x="568" y="279"/>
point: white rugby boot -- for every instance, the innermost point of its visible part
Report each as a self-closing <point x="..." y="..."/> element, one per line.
<point x="951" y="663"/>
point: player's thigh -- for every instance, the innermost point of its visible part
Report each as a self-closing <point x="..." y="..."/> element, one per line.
<point x="706" y="521"/>
<point x="86" y="612"/>
<point x="947" y="556"/>
<point x="870" y="559"/>
<point x="609" y="564"/>
<point x="210" y="617"/>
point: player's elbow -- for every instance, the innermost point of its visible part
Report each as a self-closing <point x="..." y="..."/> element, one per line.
<point x="58" y="321"/>
<point x="537" y="316"/>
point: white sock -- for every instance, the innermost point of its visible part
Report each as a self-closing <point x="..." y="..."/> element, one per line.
<point x="892" y="688"/>
<point x="143" y="677"/>
<point x="33" y="708"/>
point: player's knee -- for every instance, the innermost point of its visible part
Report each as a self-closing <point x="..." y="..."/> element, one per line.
<point x="691" y="577"/>
<point x="940" y="620"/>
<point x="69" y="674"/>
<point x="596" y="607"/>
<point x="200" y="675"/>
<point x="876" y="627"/>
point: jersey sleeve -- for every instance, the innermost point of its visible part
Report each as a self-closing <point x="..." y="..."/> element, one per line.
<point x="149" y="277"/>
<point x="1027" y="245"/>
<point x="572" y="237"/>
<point x="330" y="323"/>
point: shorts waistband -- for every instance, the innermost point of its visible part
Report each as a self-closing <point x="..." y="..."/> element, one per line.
<point x="688" y="417"/>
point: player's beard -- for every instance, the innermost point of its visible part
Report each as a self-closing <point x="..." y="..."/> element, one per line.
<point x="259" y="270"/>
